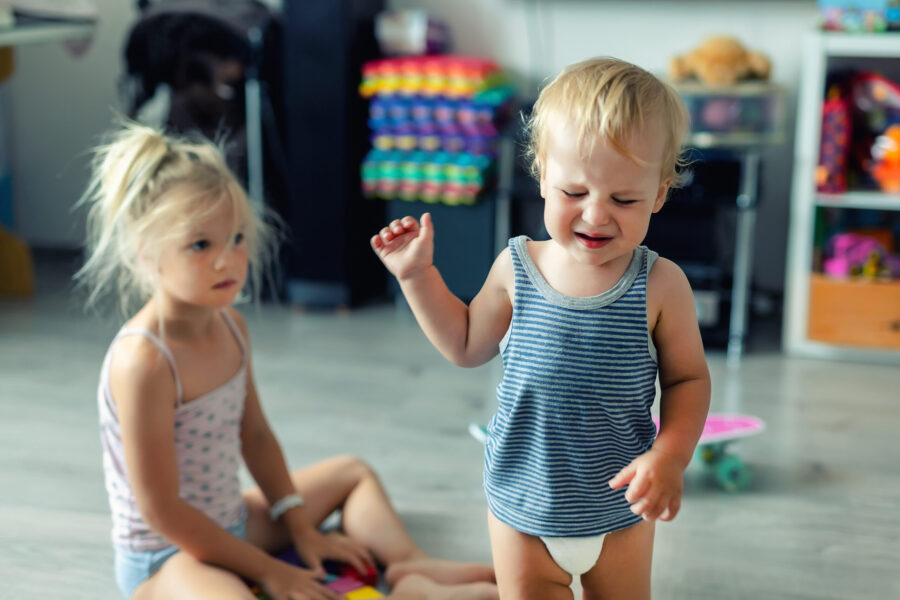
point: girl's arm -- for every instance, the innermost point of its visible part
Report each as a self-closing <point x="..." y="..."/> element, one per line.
<point x="265" y="460"/>
<point x="655" y="479"/>
<point x="144" y="391"/>
<point x="468" y="336"/>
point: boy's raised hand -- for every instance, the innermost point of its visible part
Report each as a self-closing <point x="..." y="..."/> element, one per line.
<point x="406" y="246"/>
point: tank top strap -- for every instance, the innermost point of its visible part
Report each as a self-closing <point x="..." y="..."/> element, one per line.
<point x="162" y="348"/>
<point x="236" y="331"/>
<point x="518" y="245"/>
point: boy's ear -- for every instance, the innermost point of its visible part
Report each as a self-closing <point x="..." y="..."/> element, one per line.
<point x="543" y="185"/>
<point x="661" y="195"/>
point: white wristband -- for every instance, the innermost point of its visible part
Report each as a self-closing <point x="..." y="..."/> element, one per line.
<point x="285" y="504"/>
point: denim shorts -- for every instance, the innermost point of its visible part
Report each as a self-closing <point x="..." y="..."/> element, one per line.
<point x="133" y="568"/>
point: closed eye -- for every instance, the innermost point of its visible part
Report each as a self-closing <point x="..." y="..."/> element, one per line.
<point x="623" y="201"/>
<point x="574" y="194"/>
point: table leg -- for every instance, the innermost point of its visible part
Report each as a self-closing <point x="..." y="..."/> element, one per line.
<point x="743" y="255"/>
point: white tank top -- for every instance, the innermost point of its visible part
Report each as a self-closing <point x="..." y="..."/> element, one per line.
<point x="207" y="445"/>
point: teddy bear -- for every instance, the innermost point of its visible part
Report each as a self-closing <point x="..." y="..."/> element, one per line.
<point x="720" y="60"/>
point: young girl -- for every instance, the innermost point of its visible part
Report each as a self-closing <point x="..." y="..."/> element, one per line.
<point x="584" y="322"/>
<point x="170" y="225"/>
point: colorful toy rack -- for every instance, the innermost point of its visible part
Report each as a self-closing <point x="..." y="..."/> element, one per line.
<point x="435" y="123"/>
<point x="450" y="76"/>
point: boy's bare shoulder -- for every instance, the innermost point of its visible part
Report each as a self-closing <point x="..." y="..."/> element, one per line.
<point x="666" y="276"/>
<point x="502" y="273"/>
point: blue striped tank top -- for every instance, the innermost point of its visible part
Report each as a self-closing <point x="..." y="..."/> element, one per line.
<point x="579" y="378"/>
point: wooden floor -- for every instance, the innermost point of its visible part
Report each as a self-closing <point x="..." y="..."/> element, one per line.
<point x="822" y="520"/>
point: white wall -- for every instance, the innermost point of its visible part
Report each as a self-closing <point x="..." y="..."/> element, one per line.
<point x="57" y="105"/>
<point x="536" y="38"/>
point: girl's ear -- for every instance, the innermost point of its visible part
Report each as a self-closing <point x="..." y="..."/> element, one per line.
<point x="543" y="185"/>
<point x="661" y="195"/>
<point x="146" y="261"/>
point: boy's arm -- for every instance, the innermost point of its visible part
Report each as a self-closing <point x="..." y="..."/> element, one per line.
<point x="655" y="479"/>
<point x="468" y="336"/>
<point x="683" y="373"/>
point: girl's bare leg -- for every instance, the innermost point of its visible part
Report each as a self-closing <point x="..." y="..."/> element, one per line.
<point x="183" y="577"/>
<point x="623" y="569"/>
<point x="348" y="483"/>
<point x="525" y="569"/>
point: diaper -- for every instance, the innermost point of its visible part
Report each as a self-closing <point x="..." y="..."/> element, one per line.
<point x="575" y="555"/>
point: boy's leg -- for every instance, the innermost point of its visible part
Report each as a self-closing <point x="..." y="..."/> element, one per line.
<point x="524" y="568"/>
<point x="185" y="577"/>
<point x="623" y="569"/>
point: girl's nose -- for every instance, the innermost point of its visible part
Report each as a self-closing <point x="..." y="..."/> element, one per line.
<point x="221" y="260"/>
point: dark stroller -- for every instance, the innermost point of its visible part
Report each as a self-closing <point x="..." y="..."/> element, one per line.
<point x="221" y="63"/>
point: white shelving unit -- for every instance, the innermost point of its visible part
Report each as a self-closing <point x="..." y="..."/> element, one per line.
<point x="35" y="32"/>
<point x="819" y="49"/>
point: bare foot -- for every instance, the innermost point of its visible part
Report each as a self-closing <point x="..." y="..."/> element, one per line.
<point x="418" y="587"/>
<point x="447" y="572"/>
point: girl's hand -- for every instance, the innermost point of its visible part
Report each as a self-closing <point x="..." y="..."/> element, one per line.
<point x="287" y="582"/>
<point x="654" y="482"/>
<point x="405" y="246"/>
<point x="313" y="547"/>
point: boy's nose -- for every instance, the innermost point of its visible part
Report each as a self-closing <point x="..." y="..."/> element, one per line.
<point x="595" y="213"/>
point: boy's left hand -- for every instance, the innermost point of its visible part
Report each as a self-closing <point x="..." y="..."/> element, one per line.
<point x="313" y="547"/>
<point x="654" y="482"/>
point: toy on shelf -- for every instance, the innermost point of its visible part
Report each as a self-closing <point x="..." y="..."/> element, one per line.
<point x="856" y="16"/>
<point x="831" y="173"/>
<point x="435" y="124"/>
<point x="728" y="96"/>
<point x="410" y="31"/>
<point x="856" y="255"/>
<point x="748" y="114"/>
<point x="719" y="61"/>
<point x="885" y="167"/>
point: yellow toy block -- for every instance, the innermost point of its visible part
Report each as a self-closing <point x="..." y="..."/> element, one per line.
<point x="363" y="593"/>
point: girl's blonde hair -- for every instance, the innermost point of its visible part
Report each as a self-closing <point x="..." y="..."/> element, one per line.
<point x="146" y="189"/>
<point x="609" y="99"/>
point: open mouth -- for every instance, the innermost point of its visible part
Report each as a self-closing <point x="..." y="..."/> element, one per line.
<point x="593" y="241"/>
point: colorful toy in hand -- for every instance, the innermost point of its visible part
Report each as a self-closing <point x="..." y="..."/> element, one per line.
<point x="342" y="578"/>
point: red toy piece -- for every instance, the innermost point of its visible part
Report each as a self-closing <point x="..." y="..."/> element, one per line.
<point x="370" y="577"/>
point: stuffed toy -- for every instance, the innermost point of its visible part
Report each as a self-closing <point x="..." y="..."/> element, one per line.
<point x="720" y="61"/>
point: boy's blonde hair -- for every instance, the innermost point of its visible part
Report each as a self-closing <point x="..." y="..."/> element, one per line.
<point x="146" y="190"/>
<point x="609" y="99"/>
